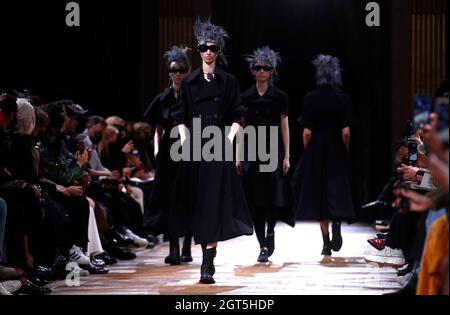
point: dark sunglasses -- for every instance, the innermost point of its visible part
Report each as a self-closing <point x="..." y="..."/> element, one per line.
<point x="265" y="68"/>
<point x="204" y="48"/>
<point x="178" y="70"/>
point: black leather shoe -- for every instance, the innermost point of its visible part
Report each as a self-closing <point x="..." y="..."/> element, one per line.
<point x="40" y="272"/>
<point x="33" y="278"/>
<point x="108" y="259"/>
<point x="95" y="270"/>
<point x="263" y="256"/>
<point x="98" y="262"/>
<point x="270" y="243"/>
<point x="122" y="254"/>
<point x="336" y="242"/>
<point x="120" y="239"/>
<point x="31" y="289"/>
<point x="207" y="270"/>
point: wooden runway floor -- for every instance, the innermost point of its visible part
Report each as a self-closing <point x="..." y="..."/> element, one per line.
<point x="296" y="268"/>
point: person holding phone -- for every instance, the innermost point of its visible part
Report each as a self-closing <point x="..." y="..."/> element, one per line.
<point x="269" y="194"/>
<point x="321" y="183"/>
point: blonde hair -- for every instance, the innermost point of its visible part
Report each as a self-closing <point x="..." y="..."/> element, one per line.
<point x="103" y="146"/>
<point x="115" y="120"/>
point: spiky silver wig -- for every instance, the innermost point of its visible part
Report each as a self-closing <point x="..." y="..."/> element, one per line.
<point x="208" y="32"/>
<point x="264" y="56"/>
<point x="328" y="70"/>
<point x="178" y="55"/>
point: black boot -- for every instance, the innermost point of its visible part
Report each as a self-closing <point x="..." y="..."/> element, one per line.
<point x="263" y="256"/>
<point x="174" y="255"/>
<point x="207" y="270"/>
<point x="186" y="255"/>
<point x="326" y="251"/>
<point x="270" y="243"/>
<point x="336" y="242"/>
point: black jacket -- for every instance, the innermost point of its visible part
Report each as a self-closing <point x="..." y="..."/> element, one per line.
<point x="232" y="109"/>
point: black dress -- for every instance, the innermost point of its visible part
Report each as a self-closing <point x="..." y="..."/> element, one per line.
<point x="269" y="190"/>
<point x="158" y="113"/>
<point x="321" y="183"/>
<point x="208" y="200"/>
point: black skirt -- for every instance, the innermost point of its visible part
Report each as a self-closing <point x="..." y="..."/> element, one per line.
<point x="269" y="190"/>
<point x="209" y="202"/>
<point x="321" y="182"/>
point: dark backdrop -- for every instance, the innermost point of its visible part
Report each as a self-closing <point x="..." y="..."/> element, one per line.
<point x="97" y="64"/>
<point x="109" y="64"/>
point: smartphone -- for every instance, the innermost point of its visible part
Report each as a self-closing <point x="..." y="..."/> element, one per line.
<point x="410" y="131"/>
<point x="422" y="111"/>
<point x="412" y="153"/>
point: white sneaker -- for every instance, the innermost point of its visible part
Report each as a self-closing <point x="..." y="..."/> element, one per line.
<point x="387" y="256"/>
<point x="10" y="287"/>
<point x="77" y="255"/>
<point x="138" y="241"/>
<point x="3" y="290"/>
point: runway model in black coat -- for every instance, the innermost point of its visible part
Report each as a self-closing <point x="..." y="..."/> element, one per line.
<point x="268" y="193"/>
<point x="158" y="115"/>
<point x="321" y="183"/>
<point x="208" y="199"/>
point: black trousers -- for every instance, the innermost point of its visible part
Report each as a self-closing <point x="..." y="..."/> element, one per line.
<point x="78" y="219"/>
<point x="403" y="233"/>
<point x="24" y="219"/>
<point x="262" y="216"/>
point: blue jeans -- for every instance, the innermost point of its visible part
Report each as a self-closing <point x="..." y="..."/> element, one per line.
<point x="433" y="216"/>
<point x="2" y="225"/>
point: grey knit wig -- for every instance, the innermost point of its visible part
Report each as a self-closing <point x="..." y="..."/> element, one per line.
<point x="328" y="70"/>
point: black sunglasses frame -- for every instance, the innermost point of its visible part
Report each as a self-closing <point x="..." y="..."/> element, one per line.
<point x="259" y="68"/>
<point x="204" y="48"/>
<point x="178" y="70"/>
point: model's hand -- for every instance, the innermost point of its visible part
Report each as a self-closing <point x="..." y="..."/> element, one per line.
<point x="286" y="166"/>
